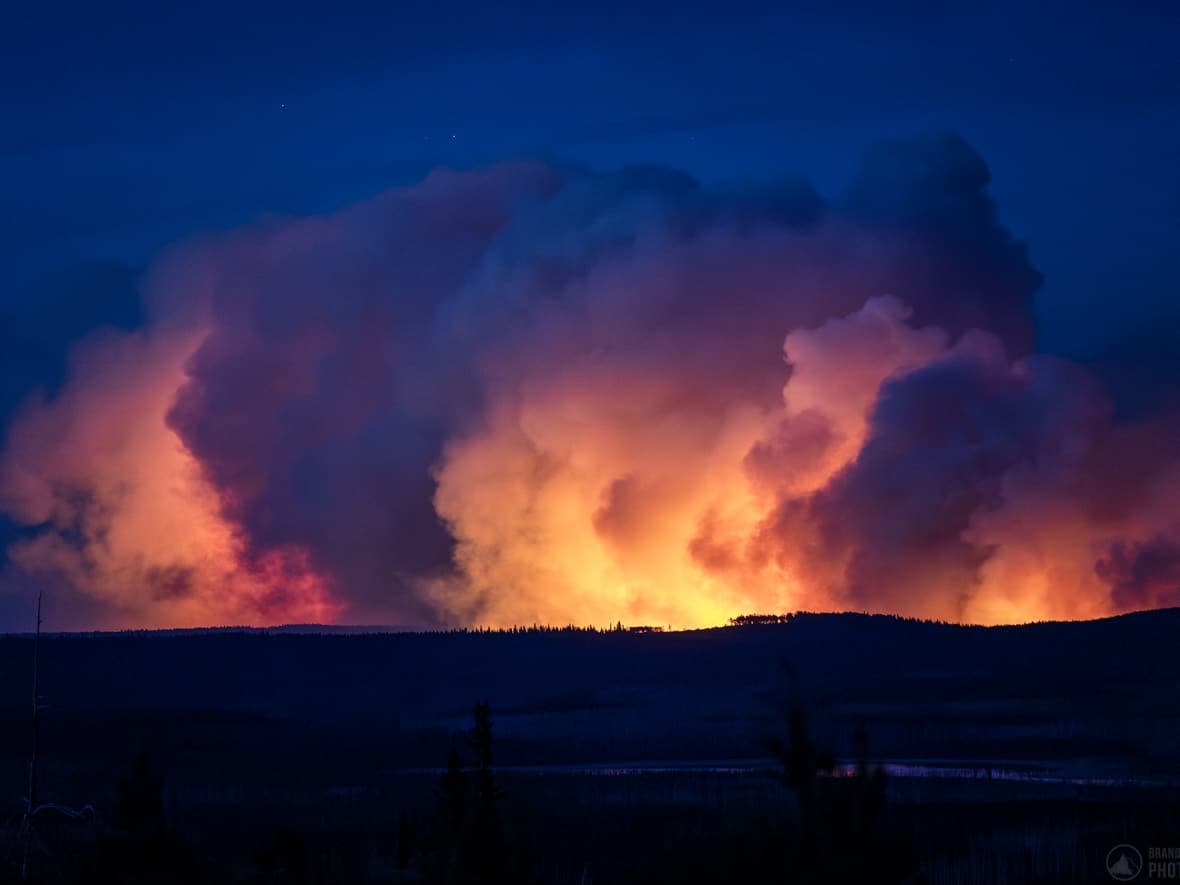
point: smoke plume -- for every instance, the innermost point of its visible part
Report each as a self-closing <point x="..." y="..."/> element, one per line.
<point x="539" y="393"/>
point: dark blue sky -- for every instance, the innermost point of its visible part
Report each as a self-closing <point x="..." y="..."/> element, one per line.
<point x="128" y="125"/>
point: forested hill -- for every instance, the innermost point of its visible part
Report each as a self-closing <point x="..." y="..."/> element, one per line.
<point x="1106" y="688"/>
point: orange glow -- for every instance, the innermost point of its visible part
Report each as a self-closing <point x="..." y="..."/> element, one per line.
<point x="599" y="493"/>
<point x="99" y="465"/>
<point x="622" y="404"/>
<point x="603" y="491"/>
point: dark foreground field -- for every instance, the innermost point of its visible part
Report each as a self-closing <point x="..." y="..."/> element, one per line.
<point x="946" y="754"/>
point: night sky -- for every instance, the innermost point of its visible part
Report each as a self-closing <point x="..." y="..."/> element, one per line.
<point x="130" y="128"/>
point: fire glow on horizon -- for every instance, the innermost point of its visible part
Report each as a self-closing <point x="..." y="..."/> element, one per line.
<point x="531" y="394"/>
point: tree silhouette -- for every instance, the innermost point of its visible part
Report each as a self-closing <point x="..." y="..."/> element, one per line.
<point x="141" y="848"/>
<point x="141" y="801"/>
<point x="841" y="832"/>
<point x="486" y="829"/>
<point x="31" y="799"/>
<point x="467" y="840"/>
<point x="447" y="830"/>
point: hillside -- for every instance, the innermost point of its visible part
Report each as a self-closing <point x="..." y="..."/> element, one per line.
<point x="1103" y="691"/>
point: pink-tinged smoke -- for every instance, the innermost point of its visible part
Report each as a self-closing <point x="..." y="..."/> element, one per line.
<point x="542" y="394"/>
<point x="126" y="516"/>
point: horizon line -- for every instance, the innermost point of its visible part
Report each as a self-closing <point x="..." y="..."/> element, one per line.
<point x="619" y="627"/>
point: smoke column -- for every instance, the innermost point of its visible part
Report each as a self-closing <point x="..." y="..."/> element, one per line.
<point x="539" y="393"/>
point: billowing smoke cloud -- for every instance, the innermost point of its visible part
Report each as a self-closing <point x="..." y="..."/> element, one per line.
<point x="540" y="393"/>
<point x="125" y="515"/>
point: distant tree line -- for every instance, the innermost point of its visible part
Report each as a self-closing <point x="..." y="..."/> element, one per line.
<point x="747" y="620"/>
<point x="751" y="620"/>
